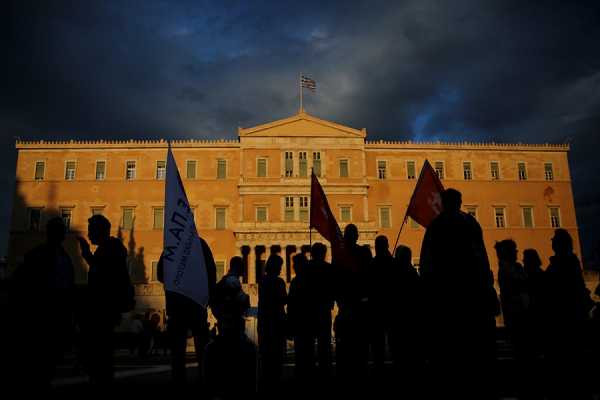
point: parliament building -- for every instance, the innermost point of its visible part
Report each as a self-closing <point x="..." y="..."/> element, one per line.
<point x="250" y="196"/>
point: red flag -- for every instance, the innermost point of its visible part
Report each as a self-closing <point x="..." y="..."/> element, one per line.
<point x="426" y="201"/>
<point x="321" y="217"/>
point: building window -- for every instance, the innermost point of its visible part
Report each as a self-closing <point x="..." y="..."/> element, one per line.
<point x="317" y="163"/>
<point x="220" y="213"/>
<point x="413" y="224"/>
<point x="345" y="213"/>
<point x="303" y="164"/>
<point x="40" y="167"/>
<point x="70" y="170"/>
<point x="100" y="170"/>
<point x="35" y="219"/>
<point x="261" y="167"/>
<point x="161" y="170"/>
<point x="343" y="168"/>
<point x="439" y="169"/>
<point x="261" y="214"/>
<point x="467" y="171"/>
<point x="220" y="269"/>
<point x="67" y="216"/>
<point x="289" y="164"/>
<point x="472" y="211"/>
<point x="527" y="217"/>
<point x="304" y="208"/>
<point x="97" y="211"/>
<point x="130" y="170"/>
<point x="159" y="217"/>
<point x="221" y="168"/>
<point x="289" y="209"/>
<point x="522" y="171"/>
<point x="384" y="217"/>
<point x="500" y="218"/>
<point x="154" y="276"/>
<point x="127" y="218"/>
<point x="555" y="217"/>
<point x="382" y="169"/>
<point x="190" y="169"/>
<point x="495" y="170"/>
<point x="548" y="172"/>
<point x="411" y="170"/>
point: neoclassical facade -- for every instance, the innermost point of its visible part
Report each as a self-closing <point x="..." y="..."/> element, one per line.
<point x="251" y="195"/>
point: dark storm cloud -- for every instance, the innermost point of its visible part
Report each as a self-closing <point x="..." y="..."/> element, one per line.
<point x="473" y="70"/>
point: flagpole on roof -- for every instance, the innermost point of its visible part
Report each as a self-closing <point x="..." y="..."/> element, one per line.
<point x="300" y="87"/>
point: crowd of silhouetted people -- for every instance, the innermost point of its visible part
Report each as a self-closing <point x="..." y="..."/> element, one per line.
<point x="438" y="322"/>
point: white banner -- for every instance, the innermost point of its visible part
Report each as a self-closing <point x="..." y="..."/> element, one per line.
<point x="183" y="258"/>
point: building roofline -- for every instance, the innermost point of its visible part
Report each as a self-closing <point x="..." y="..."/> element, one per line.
<point x="408" y="144"/>
<point x="124" y="144"/>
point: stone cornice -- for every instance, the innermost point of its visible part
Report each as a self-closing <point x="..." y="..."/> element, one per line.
<point x="410" y="145"/>
<point x="125" y="144"/>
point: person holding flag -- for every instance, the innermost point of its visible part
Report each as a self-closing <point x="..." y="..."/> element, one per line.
<point x="188" y="271"/>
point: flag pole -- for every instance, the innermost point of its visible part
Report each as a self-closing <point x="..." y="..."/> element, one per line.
<point x="300" y="87"/>
<point x="309" y="212"/>
<point x="400" y="231"/>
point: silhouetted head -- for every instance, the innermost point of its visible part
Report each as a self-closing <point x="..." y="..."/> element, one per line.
<point x="273" y="266"/>
<point x="351" y="234"/>
<point x="531" y="257"/>
<point x="403" y="255"/>
<point x="98" y="229"/>
<point x="299" y="263"/>
<point x="319" y="250"/>
<point x="506" y="250"/>
<point x="451" y="199"/>
<point x="562" y="243"/>
<point x="55" y="231"/>
<point x="382" y="246"/>
<point x="236" y="266"/>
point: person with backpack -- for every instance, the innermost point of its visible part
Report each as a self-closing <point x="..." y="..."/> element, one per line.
<point x="109" y="294"/>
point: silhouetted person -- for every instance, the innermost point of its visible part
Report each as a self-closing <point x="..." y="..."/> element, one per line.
<point x="272" y="298"/>
<point x="460" y="299"/>
<point x="535" y="283"/>
<point x="46" y="278"/>
<point x="568" y="304"/>
<point x="516" y="310"/>
<point x="351" y="323"/>
<point x="323" y="279"/>
<point x="230" y="361"/>
<point x="183" y="315"/>
<point x="108" y="289"/>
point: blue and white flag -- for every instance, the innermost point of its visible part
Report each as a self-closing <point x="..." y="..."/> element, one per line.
<point x="183" y="258"/>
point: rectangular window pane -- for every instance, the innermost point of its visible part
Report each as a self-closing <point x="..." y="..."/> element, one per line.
<point x="159" y="217"/>
<point x="161" y="170"/>
<point x="384" y="217"/>
<point x="439" y="169"/>
<point x="527" y="217"/>
<point x="555" y="217"/>
<point x="317" y="163"/>
<point x="472" y="211"/>
<point x="413" y="224"/>
<point x="220" y="269"/>
<point x="100" y="170"/>
<point x="289" y="209"/>
<point x="40" y="166"/>
<point x="220" y="218"/>
<point x="289" y="164"/>
<point x="70" y="171"/>
<point x="303" y="164"/>
<point x="154" y="275"/>
<point x="66" y="214"/>
<point x="522" y="171"/>
<point x="467" y="172"/>
<point x="343" y="168"/>
<point x="130" y="170"/>
<point x="261" y="167"/>
<point x="495" y="170"/>
<point x="345" y="214"/>
<point x="499" y="214"/>
<point x="127" y="218"/>
<point x="304" y="208"/>
<point x="35" y="219"/>
<point x="381" y="169"/>
<point x="261" y="214"/>
<point x="191" y="169"/>
<point x="548" y="172"/>
<point x="221" y="169"/>
<point x="410" y="170"/>
<point x="97" y="210"/>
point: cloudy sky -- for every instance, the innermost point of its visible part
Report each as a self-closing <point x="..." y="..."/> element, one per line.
<point x="417" y="69"/>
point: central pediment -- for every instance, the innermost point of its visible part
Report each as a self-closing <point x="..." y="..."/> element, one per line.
<point x="302" y="125"/>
